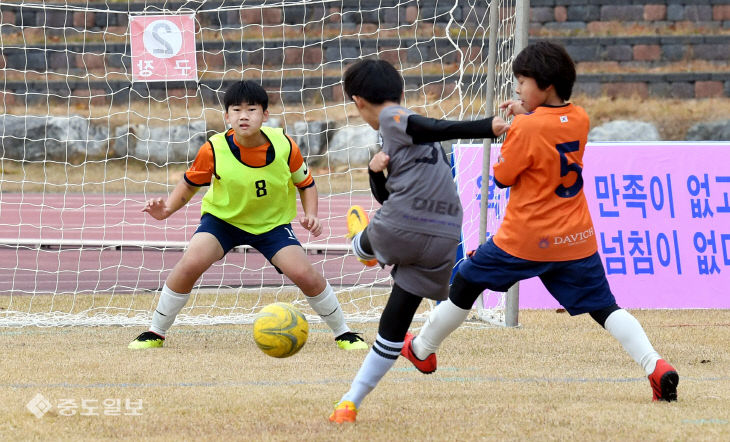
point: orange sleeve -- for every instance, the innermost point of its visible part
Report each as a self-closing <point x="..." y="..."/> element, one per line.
<point x="300" y="174"/>
<point x="201" y="171"/>
<point x="514" y="157"/>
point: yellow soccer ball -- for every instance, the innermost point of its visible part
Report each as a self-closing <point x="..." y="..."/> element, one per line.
<point x="280" y="330"/>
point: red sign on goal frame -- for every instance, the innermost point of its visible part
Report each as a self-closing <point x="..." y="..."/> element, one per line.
<point x="163" y="48"/>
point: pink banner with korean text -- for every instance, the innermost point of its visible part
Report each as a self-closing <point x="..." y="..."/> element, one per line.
<point x="163" y="48"/>
<point x="661" y="213"/>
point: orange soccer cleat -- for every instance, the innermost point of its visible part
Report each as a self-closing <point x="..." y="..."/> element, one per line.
<point x="664" y="382"/>
<point x="425" y="366"/>
<point x="345" y="411"/>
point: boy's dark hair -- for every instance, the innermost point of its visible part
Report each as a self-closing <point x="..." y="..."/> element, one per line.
<point x="245" y="92"/>
<point x="547" y="63"/>
<point x="376" y="81"/>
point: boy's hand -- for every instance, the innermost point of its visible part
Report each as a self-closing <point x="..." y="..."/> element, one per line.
<point x="379" y="162"/>
<point x="499" y="126"/>
<point x="156" y="208"/>
<point x="512" y="108"/>
<point x="311" y="223"/>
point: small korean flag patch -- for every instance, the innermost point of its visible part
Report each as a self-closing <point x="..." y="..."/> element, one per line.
<point x="563" y="118"/>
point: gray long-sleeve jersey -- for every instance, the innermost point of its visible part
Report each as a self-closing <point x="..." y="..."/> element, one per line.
<point x="423" y="196"/>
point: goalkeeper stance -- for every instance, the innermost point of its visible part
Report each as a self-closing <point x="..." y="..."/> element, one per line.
<point x="417" y="229"/>
<point x="252" y="172"/>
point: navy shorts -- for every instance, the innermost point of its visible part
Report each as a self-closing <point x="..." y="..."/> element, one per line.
<point x="230" y="236"/>
<point x="579" y="285"/>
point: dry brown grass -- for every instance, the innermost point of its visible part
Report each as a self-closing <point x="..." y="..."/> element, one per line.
<point x="112" y="176"/>
<point x="213" y="71"/>
<point x="686" y="66"/>
<point x="132" y="176"/>
<point x="556" y="378"/>
<point x="243" y="303"/>
<point x="632" y="29"/>
<point x="179" y="109"/>
<point x="672" y="117"/>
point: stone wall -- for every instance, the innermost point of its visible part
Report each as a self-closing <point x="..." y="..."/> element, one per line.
<point x="614" y="63"/>
<point x="590" y="15"/>
<point x="598" y="15"/>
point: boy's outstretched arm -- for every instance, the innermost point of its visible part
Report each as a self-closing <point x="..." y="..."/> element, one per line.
<point x="427" y="130"/>
<point x="310" y="204"/>
<point x="160" y="209"/>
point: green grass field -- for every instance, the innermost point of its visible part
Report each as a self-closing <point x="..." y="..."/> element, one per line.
<point x="555" y="378"/>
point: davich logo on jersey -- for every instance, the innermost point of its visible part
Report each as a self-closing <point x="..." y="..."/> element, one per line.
<point x="573" y="238"/>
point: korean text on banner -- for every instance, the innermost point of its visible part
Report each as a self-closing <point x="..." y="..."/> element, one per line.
<point x="662" y="218"/>
<point x="163" y="48"/>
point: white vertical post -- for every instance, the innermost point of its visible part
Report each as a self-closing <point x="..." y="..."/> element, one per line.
<point x="487" y="150"/>
<point x="522" y="32"/>
<point x="522" y="26"/>
<point x="491" y="80"/>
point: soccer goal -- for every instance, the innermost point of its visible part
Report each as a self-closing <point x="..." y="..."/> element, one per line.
<point x="104" y="105"/>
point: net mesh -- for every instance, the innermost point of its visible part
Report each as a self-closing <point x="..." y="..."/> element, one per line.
<point x="86" y="141"/>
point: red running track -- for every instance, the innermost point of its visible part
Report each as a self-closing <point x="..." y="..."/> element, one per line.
<point x="52" y="227"/>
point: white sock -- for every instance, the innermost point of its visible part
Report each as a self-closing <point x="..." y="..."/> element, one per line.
<point x="443" y="320"/>
<point x="627" y="330"/>
<point x="328" y="308"/>
<point x="168" y="307"/>
<point x="381" y="357"/>
<point x="357" y="248"/>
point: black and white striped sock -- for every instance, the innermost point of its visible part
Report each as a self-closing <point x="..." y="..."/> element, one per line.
<point x="357" y="248"/>
<point x="381" y="357"/>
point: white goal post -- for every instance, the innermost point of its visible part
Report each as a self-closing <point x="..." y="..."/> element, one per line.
<point x="84" y="140"/>
<point x="506" y="312"/>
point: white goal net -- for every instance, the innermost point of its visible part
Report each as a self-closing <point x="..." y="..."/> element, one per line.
<point x="95" y="119"/>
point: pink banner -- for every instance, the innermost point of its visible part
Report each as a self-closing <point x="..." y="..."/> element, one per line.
<point x="662" y="218"/>
<point x="163" y="48"/>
